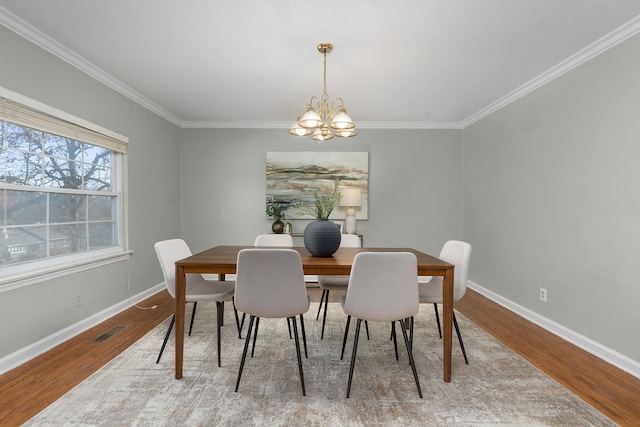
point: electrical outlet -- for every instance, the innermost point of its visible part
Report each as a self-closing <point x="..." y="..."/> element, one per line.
<point x="78" y="300"/>
<point x="543" y="294"/>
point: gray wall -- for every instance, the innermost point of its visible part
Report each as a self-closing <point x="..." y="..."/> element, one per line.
<point x="550" y="195"/>
<point x="415" y="185"/>
<point x="37" y="311"/>
<point x="552" y="199"/>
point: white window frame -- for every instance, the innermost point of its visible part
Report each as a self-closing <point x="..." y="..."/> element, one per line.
<point x="25" y="274"/>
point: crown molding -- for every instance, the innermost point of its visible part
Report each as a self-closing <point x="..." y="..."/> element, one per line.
<point x="287" y="125"/>
<point x="601" y="45"/>
<point x="29" y="32"/>
<point x="34" y="35"/>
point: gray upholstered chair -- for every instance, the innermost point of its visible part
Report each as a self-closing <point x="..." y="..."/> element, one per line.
<point x="457" y="253"/>
<point x="270" y="284"/>
<point x="383" y="287"/>
<point x="197" y="287"/>
<point x="335" y="283"/>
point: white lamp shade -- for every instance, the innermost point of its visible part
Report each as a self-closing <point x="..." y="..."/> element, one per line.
<point x="322" y="134"/>
<point x="345" y="133"/>
<point x="342" y="121"/>
<point x="297" y="130"/>
<point x="310" y="119"/>
<point x="350" y="197"/>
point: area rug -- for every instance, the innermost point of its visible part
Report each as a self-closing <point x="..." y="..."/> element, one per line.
<point x="497" y="387"/>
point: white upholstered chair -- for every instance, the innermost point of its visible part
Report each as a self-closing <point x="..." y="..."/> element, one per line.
<point x="457" y="253"/>
<point x="383" y="287"/>
<point x="270" y="284"/>
<point x="274" y="240"/>
<point x="284" y="240"/>
<point x="335" y="283"/>
<point x="197" y="287"/>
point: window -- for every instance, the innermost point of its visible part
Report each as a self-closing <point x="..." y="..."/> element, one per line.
<point x="60" y="188"/>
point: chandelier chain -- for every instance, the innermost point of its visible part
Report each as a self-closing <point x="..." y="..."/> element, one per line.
<point x="325" y="97"/>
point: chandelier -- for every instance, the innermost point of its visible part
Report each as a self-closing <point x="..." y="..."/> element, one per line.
<point x="320" y="121"/>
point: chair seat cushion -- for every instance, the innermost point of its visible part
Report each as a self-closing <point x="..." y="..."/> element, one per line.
<point x="209" y="290"/>
<point x="333" y="282"/>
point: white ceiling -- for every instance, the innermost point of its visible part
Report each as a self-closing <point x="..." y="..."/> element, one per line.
<point x="254" y="63"/>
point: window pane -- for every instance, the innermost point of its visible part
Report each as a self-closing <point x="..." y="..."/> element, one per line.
<point x="59" y="146"/>
<point x="102" y="235"/>
<point x="23" y="244"/>
<point x="24" y="139"/>
<point x="97" y="155"/>
<point x="23" y="207"/>
<point x="22" y="168"/>
<point x="61" y="173"/>
<point x="97" y="178"/>
<point x="67" y="207"/>
<point x="68" y="238"/>
<point x="102" y="208"/>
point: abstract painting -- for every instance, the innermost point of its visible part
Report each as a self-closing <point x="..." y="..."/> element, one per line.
<point x="293" y="176"/>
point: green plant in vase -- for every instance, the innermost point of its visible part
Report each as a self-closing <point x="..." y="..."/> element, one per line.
<point x="321" y="236"/>
<point x="276" y="211"/>
<point x="323" y="203"/>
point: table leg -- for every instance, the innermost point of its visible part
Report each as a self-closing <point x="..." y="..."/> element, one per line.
<point x="181" y="290"/>
<point x="447" y="307"/>
<point x="221" y="277"/>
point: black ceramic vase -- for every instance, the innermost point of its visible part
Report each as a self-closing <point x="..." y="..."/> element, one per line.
<point x="322" y="237"/>
<point x="277" y="227"/>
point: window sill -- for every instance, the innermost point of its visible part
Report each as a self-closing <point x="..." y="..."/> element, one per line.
<point x="13" y="279"/>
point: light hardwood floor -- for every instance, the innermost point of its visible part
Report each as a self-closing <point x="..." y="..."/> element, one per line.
<point x="28" y="389"/>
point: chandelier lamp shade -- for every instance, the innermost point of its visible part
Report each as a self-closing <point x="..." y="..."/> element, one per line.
<point x="320" y="121"/>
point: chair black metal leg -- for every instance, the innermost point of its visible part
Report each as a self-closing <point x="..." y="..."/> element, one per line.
<point x="218" y="324"/>
<point x="411" y="333"/>
<point x="393" y="335"/>
<point x="193" y="316"/>
<point x="304" y="336"/>
<point x="166" y="337"/>
<point x="235" y="311"/>
<point x="366" y="326"/>
<point x="435" y="307"/>
<point x="353" y="356"/>
<point x="289" y="326"/>
<point x="295" y="334"/>
<point x="410" y="354"/>
<point x="324" y="316"/>
<point x="320" y="305"/>
<point x="244" y="351"/>
<point x="242" y="323"/>
<point x="255" y="335"/>
<point x="344" y="340"/>
<point x="464" y="353"/>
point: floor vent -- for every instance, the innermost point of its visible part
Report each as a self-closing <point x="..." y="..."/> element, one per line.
<point x="116" y="330"/>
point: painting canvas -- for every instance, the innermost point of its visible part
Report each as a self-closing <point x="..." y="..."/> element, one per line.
<point x="293" y="176"/>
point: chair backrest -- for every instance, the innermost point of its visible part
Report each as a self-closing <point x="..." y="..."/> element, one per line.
<point x="270" y="283"/>
<point x="283" y="240"/>
<point x="346" y="241"/>
<point x="383" y="286"/>
<point x="168" y="252"/>
<point x="457" y="253"/>
<point x="350" y="241"/>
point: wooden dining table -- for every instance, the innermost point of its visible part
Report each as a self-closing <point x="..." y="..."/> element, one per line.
<point x="222" y="260"/>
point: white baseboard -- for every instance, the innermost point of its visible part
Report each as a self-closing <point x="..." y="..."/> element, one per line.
<point x="25" y="354"/>
<point x="608" y="355"/>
